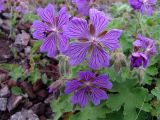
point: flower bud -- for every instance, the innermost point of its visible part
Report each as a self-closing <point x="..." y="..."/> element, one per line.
<point x="119" y="60"/>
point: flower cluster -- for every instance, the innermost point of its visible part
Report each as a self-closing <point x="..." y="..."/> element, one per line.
<point x="144" y="6"/>
<point x="143" y="49"/>
<point x="86" y="40"/>
<point x="88" y="85"/>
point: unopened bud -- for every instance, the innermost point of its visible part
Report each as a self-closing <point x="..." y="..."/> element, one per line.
<point x="119" y="60"/>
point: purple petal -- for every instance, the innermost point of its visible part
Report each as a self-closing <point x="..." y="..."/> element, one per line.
<point x="99" y="58"/>
<point x="39" y="26"/>
<point x="38" y="35"/>
<point x="110" y="40"/>
<point x="136" y="60"/>
<point x="77" y="28"/>
<point x="103" y="82"/>
<point x="146" y="9"/>
<point x="49" y="45"/>
<point x="145" y="60"/>
<point x="71" y="86"/>
<point x="97" y="95"/>
<point x="137" y="43"/>
<point x="83" y="6"/>
<point x="47" y="14"/>
<point x="63" y="17"/>
<point x="77" y="52"/>
<point x="1" y="7"/>
<point x="86" y="75"/>
<point x="99" y="20"/>
<point x="136" y="4"/>
<point x="80" y="97"/>
<point x="63" y="42"/>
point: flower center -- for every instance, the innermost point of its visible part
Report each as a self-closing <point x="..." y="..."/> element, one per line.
<point x="54" y="29"/>
<point x="87" y="83"/>
<point x="145" y="1"/>
<point x="93" y="40"/>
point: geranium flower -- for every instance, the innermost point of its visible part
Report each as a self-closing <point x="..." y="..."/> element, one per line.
<point x="49" y="29"/>
<point x="92" y="40"/>
<point x="83" y="6"/>
<point x="143" y="49"/>
<point x="87" y="85"/>
<point x="144" y="6"/>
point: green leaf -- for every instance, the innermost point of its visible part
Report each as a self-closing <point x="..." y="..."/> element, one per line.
<point x="16" y="91"/>
<point x="152" y="70"/>
<point x="30" y="17"/>
<point x="36" y="46"/>
<point x="9" y="67"/>
<point x="17" y="72"/>
<point x="61" y="105"/>
<point x="156" y="92"/>
<point x="34" y="76"/>
<point x="130" y="97"/>
<point x="149" y="73"/>
<point x="118" y="115"/>
<point x="90" y="112"/>
<point x="45" y="79"/>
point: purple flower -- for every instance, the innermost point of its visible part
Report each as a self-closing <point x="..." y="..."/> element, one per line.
<point x="144" y="6"/>
<point x="2" y="5"/>
<point x="143" y="49"/>
<point x="145" y="45"/>
<point x="84" y="6"/>
<point x="49" y="29"/>
<point x="139" y="59"/>
<point x="92" y="40"/>
<point x="88" y="86"/>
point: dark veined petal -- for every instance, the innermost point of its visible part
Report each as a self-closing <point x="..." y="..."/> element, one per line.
<point x="110" y="40"/>
<point x="63" y="17"/>
<point x="39" y="26"/>
<point x="80" y="97"/>
<point x="63" y="42"/>
<point x="97" y="95"/>
<point x="49" y="45"/>
<point x="86" y="75"/>
<point x="47" y="14"/>
<point x="99" y="20"/>
<point x="77" y="28"/>
<point x="71" y="86"/>
<point x="103" y="82"/>
<point x="38" y="35"/>
<point x="99" y="58"/>
<point x="77" y="52"/>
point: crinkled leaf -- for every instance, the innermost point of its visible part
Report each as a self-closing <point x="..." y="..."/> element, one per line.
<point x="90" y="112"/>
<point x="16" y="90"/>
<point x="34" y="76"/>
<point x="130" y="97"/>
<point x="156" y="92"/>
<point x="61" y="106"/>
<point x="16" y="72"/>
